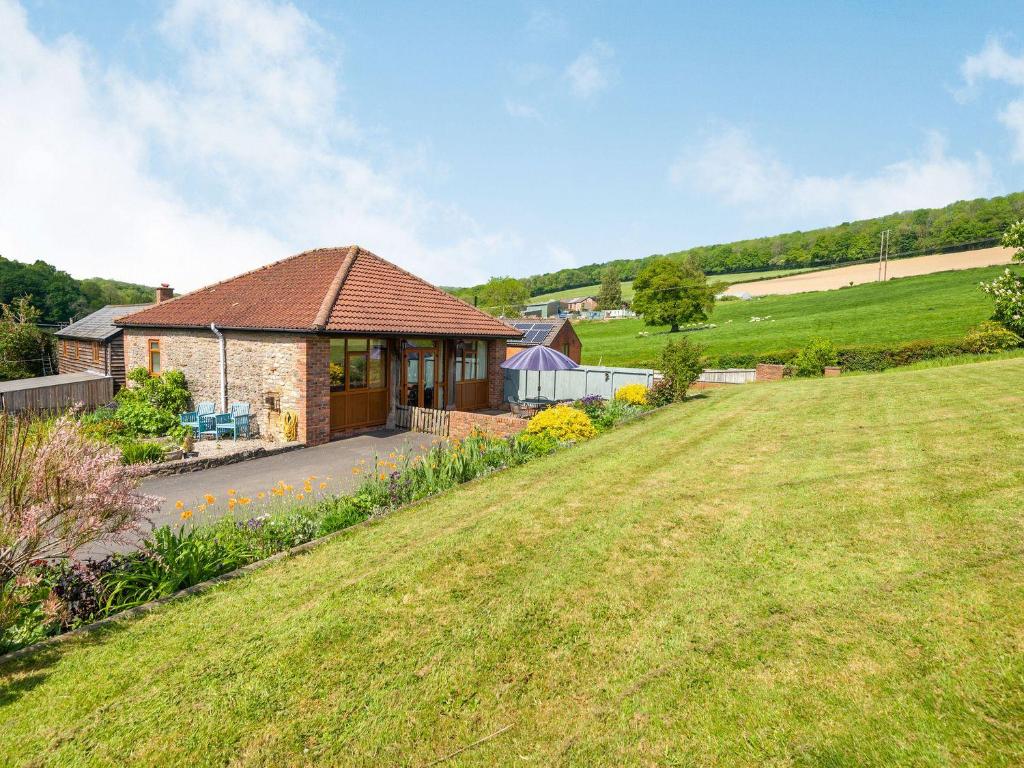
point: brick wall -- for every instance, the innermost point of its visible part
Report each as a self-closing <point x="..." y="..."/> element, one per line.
<point x="258" y="364"/>
<point x="769" y="372"/>
<point x="495" y="373"/>
<point x="315" y="382"/>
<point x="462" y="423"/>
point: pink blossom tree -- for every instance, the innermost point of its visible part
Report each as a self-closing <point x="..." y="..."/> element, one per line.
<point x="59" y="491"/>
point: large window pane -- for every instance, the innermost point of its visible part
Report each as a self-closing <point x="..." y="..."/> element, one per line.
<point x="481" y="359"/>
<point x="337" y="365"/>
<point x="459" y="357"/>
<point x="358" y="345"/>
<point x="357" y="370"/>
<point x="377" y="373"/>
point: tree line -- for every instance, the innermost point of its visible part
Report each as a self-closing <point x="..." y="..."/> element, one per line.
<point x="920" y="230"/>
<point x="60" y="297"/>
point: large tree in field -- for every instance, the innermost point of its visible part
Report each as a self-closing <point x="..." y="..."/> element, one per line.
<point x="669" y="292"/>
<point x="610" y="296"/>
<point x="503" y="296"/>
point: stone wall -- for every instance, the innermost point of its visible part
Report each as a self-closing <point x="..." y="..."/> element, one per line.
<point x="462" y="423"/>
<point x="495" y="373"/>
<point x="259" y="366"/>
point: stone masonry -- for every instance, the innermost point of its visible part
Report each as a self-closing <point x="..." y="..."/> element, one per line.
<point x="259" y="365"/>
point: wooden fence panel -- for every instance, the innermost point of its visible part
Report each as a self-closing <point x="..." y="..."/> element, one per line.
<point x="53" y="398"/>
<point x="430" y="420"/>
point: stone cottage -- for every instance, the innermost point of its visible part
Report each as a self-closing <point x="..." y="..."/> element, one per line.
<point x="338" y="336"/>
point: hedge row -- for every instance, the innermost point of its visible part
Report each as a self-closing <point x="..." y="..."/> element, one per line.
<point x="857" y="358"/>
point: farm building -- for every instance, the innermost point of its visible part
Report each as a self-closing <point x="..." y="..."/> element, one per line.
<point x="339" y="337"/>
<point x="554" y="333"/>
<point x="543" y="309"/>
<point x="580" y="304"/>
<point x="95" y="344"/>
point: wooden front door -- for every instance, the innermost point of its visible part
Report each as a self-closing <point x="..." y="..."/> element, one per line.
<point x="423" y="376"/>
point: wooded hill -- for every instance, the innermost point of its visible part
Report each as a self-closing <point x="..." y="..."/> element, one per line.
<point x="923" y="230"/>
<point x="61" y="297"/>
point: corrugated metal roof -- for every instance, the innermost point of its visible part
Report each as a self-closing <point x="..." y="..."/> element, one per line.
<point x="48" y="381"/>
<point x="99" y="326"/>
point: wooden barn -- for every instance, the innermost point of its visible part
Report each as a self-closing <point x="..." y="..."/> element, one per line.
<point x="94" y="344"/>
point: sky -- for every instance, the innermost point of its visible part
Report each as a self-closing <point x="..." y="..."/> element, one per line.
<point x="185" y="141"/>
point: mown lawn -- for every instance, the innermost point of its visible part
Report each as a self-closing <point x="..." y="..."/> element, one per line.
<point x="937" y="307"/>
<point x="817" y="572"/>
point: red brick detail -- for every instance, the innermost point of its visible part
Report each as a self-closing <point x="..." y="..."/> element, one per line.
<point x="769" y="372"/>
<point x="462" y="423"/>
<point x="315" y="392"/>
<point x="832" y="370"/>
<point x="495" y="373"/>
<point x="698" y="386"/>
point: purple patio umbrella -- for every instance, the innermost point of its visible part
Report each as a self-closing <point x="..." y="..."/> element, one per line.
<point x="539" y="359"/>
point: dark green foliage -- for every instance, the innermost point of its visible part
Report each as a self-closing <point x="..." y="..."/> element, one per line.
<point x="923" y="230"/>
<point x="133" y="452"/>
<point x="682" y="362"/>
<point x="503" y="296"/>
<point x="23" y="345"/>
<point x="661" y="393"/>
<point x="61" y="297"/>
<point x="152" y="405"/>
<point x="815" y="357"/>
<point x="611" y="289"/>
<point x="667" y="292"/>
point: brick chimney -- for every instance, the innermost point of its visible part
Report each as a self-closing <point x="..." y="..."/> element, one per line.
<point x="164" y="292"/>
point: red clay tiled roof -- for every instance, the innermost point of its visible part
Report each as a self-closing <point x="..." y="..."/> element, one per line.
<point x="340" y="290"/>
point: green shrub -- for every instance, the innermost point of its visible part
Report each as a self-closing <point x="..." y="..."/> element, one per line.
<point x="615" y="413"/>
<point x="681" y="364"/>
<point x="133" y="452"/>
<point x="990" y="337"/>
<point x="660" y="393"/>
<point x="815" y="357"/>
<point x="152" y="405"/>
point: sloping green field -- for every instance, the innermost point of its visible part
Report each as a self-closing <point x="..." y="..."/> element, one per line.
<point x="815" y="572"/>
<point x="937" y="307"/>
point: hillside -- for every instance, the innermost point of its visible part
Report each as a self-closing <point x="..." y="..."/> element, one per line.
<point x="61" y="297"/>
<point x="936" y="307"/>
<point x="924" y="230"/>
<point x="812" y="572"/>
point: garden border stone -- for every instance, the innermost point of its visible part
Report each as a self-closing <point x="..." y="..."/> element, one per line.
<point x="182" y="466"/>
<point x="298" y="549"/>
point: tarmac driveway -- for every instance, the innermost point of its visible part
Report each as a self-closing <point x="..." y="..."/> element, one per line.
<point x="329" y="466"/>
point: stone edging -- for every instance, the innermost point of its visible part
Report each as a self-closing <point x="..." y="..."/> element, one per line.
<point x="181" y="466"/>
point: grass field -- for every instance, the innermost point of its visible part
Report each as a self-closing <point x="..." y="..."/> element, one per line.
<point x="937" y="307"/>
<point x="815" y="572"/>
<point x="627" y="285"/>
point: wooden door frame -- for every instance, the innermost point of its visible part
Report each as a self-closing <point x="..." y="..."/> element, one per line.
<point x="440" y="380"/>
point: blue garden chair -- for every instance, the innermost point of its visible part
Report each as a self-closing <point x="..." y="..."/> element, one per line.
<point x="194" y="418"/>
<point x="235" y="423"/>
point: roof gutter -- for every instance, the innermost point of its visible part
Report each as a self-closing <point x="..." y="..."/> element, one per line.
<point x="222" y="343"/>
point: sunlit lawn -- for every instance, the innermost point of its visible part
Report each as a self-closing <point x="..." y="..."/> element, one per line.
<point x="824" y="572"/>
<point x="938" y="307"/>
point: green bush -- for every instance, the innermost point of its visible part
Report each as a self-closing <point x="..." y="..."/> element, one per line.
<point x="660" y="393"/>
<point x="133" y="452"/>
<point x="815" y="357"/>
<point x="681" y="364"/>
<point x="152" y="405"/>
<point x="990" y="337"/>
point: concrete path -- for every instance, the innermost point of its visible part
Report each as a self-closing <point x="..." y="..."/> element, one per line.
<point x="309" y="472"/>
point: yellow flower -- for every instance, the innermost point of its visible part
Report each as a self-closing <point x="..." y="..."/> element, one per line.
<point x="231" y="491"/>
<point x="307" y="487"/>
<point x="179" y="504"/>
<point x="209" y="499"/>
<point x="186" y="514"/>
<point x="260" y="495"/>
<point x="323" y="485"/>
<point x="289" y="487"/>
<point x="201" y="508"/>
<point x="356" y="470"/>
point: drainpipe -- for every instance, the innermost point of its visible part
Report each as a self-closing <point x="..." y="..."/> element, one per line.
<point x="223" y="368"/>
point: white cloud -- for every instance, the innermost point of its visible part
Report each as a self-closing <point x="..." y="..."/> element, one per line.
<point x="731" y="167"/>
<point x="994" y="62"/>
<point x="519" y="109"/>
<point x="239" y="155"/>
<point x="592" y="71"/>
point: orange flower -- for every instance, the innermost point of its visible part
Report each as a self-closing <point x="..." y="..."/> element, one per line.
<point x="323" y="485"/>
<point x="307" y="487"/>
<point x="201" y="508"/>
<point x="179" y="504"/>
<point x="382" y="475"/>
<point x="210" y="499"/>
<point x="244" y="500"/>
<point x="300" y="495"/>
<point x="186" y="514"/>
<point x="231" y="503"/>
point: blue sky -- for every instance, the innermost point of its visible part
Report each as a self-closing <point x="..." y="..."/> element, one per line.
<point x="185" y="141"/>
